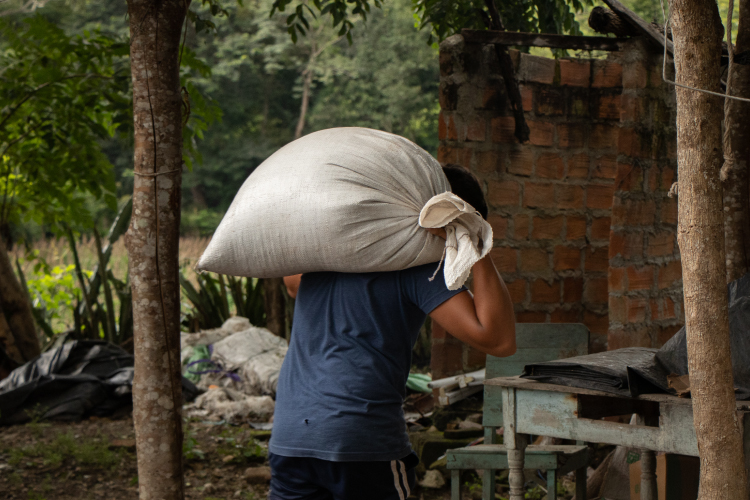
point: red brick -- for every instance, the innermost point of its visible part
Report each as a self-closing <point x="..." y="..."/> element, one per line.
<point x="667" y="178"/>
<point x="487" y="161"/>
<point x="541" y="133"/>
<point x="549" y="102"/>
<point x="621" y="337"/>
<point x="597" y="323"/>
<point x="640" y="278"/>
<point x="499" y="225"/>
<point x="597" y="259"/>
<point x="617" y="310"/>
<point x="629" y="178"/>
<point x="665" y="333"/>
<point x="572" y="289"/>
<point x="603" y="136"/>
<point x="576" y="228"/>
<point x="547" y="228"/>
<point x="521" y="162"/>
<point x="616" y="279"/>
<point x="595" y="291"/>
<point x="668" y="310"/>
<point x="629" y="143"/>
<point x="531" y="317"/>
<point x="669" y="211"/>
<point x="607" y="74"/>
<point x="628" y="245"/>
<point x="599" y="196"/>
<point x="503" y="193"/>
<point x="527" y="97"/>
<point x="534" y="259"/>
<point x="447" y="154"/>
<point x="502" y="129"/>
<point x="566" y="258"/>
<point x="541" y="291"/>
<point x="636" y="309"/>
<point x="505" y="259"/>
<point x="550" y="165"/>
<point x="521" y="227"/>
<point x="662" y="308"/>
<point x="635" y="76"/>
<point x="476" y="131"/>
<point x="575" y="73"/>
<point x="571" y="136"/>
<point x="537" y="69"/>
<point x="670" y="274"/>
<point x="474" y="359"/>
<point x="565" y="316"/>
<point x="446" y="359"/>
<point x="631" y="108"/>
<point x="569" y="196"/>
<point x="609" y="107"/>
<point x="660" y="244"/>
<point x="628" y="212"/>
<point x="578" y="166"/>
<point x="538" y="195"/>
<point x="517" y="290"/>
<point x="600" y="228"/>
<point x="606" y="167"/>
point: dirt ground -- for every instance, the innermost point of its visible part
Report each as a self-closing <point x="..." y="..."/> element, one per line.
<point x="95" y="459"/>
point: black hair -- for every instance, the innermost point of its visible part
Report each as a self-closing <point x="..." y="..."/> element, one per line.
<point x="466" y="186"/>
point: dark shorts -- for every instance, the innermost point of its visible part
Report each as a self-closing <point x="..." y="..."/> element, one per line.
<point x="300" y="478"/>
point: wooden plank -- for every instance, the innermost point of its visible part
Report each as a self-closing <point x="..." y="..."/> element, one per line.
<point x="645" y="28"/>
<point x="570" y="42"/>
<point x="493" y="406"/>
<point x="555" y="414"/>
<point x="509" y="416"/>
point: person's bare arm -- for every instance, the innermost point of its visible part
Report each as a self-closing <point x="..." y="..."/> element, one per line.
<point x="485" y="321"/>
<point x="292" y="284"/>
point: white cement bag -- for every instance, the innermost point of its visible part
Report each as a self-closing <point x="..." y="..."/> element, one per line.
<point x="346" y="200"/>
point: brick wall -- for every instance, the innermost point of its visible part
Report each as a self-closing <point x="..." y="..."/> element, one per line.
<point x="584" y="231"/>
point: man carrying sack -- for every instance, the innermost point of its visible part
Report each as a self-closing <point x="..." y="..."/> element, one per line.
<point x="339" y="431"/>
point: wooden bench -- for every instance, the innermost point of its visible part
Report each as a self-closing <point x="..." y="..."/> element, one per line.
<point x="536" y="342"/>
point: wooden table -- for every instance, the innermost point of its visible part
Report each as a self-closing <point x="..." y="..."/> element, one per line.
<point x="664" y="423"/>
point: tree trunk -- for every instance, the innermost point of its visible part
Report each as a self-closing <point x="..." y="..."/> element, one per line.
<point x="15" y="306"/>
<point x="275" y="306"/>
<point x="697" y="40"/>
<point x="153" y="244"/>
<point x="737" y="153"/>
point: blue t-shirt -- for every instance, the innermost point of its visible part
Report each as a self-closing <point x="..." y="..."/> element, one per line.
<point x="342" y="384"/>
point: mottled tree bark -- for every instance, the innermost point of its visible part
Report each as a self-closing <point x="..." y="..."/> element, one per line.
<point x="17" y="330"/>
<point x="153" y="244"/>
<point x="697" y="37"/>
<point x="275" y="306"/>
<point x="737" y="154"/>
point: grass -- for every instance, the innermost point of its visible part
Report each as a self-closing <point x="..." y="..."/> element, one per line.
<point x="92" y="452"/>
<point x="63" y="286"/>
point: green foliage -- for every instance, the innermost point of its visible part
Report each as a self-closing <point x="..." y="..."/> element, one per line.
<point x="190" y="448"/>
<point x="338" y="10"/>
<point x="446" y="17"/>
<point x="211" y="302"/>
<point x="61" y="94"/>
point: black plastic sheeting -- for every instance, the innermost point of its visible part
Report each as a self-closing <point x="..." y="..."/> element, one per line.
<point x="640" y="370"/>
<point x="77" y="380"/>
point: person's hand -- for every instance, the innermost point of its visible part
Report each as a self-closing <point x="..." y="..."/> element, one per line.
<point x="438" y="231"/>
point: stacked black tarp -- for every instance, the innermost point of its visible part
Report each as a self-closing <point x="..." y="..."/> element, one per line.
<point x="639" y="370"/>
<point x="73" y="381"/>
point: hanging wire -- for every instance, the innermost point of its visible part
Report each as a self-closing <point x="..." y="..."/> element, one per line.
<point x="667" y="19"/>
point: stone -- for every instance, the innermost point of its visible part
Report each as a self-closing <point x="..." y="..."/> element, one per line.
<point x="208" y="488"/>
<point x="258" y="475"/>
<point x="432" y="479"/>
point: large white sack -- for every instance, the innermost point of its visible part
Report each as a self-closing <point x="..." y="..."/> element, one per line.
<point x="346" y="200"/>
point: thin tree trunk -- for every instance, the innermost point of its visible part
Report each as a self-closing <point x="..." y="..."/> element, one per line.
<point x="14" y="304"/>
<point x="734" y="174"/>
<point x="697" y="40"/>
<point x="153" y="244"/>
<point x="275" y="306"/>
<point x="306" y="83"/>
